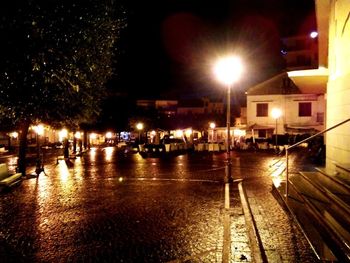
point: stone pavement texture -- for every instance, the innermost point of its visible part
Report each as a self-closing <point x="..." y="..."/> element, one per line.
<point x="107" y="208"/>
<point x="282" y="239"/>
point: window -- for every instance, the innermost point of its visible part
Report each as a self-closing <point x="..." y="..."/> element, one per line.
<point x="262" y="133"/>
<point x="262" y="109"/>
<point x="304" y="109"/>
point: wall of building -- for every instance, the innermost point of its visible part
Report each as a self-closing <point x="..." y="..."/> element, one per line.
<point x="300" y="52"/>
<point x="338" y="89"/>
<point x="190" y="110"/>
<point x="289" y="105"/>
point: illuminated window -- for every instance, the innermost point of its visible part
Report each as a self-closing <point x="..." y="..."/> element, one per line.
<point x="262" y="109"/>
<point x="304" y="109"/>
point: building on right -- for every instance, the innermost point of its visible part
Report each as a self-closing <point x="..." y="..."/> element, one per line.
<point x="334" y="53"/>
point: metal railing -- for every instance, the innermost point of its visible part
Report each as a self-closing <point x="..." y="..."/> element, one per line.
<point x="305" y="140"/>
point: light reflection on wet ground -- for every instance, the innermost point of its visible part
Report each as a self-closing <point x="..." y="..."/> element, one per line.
<point x="119" y="207"/>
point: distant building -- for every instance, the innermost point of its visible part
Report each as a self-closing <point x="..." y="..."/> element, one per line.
<point x="165" y="107"/>
<point x="300" y="52"/>
<point x="200" y="106"/>
<point x="301" y="112"/>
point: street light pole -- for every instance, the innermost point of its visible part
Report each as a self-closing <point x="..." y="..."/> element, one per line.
<point x="276" y="113"/>
<point x="228" y="70"/>
<point x="276" y="134"/>
<point x="228" y="177"/>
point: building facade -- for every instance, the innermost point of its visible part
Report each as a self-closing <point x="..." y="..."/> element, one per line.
<point x="334" y="29"/>
<point x="299" y="112"/>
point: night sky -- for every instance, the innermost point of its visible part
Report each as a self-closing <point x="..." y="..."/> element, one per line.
<point x="168" y="46"/>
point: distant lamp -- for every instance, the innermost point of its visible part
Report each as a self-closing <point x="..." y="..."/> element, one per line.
<point x="62" y="134"/>
<point x="14" y="135"/>
<point x="212" y="125"/>
<point x="77" y="135"/>
<point x="39" y="129"/>
<point x="313" y="34"/>
<point x="108" y="135"/>
<point x="139" y="127"/>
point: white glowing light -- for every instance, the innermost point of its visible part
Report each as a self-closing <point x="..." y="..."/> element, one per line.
<point x="212" y="125"/>
<point x="77" y="135"/>
<point x="313" y="34"/>
<point x="276" y="113"/>
<point x="108" y="135"/>
<point x="93" y="136"/>
<point x="139" y="126"/>
<point x="14" y="135"/>
<point x="228" y="69"/>
<point x="188" y="132"/>
<point x="39" y="129"/>
<point x="179" y="133"/>
<point x="62" y="134"/>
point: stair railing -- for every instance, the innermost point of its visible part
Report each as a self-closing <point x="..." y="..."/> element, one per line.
<point x="305" y="140"/>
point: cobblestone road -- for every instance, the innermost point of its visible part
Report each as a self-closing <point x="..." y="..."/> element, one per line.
<point x="107" y="207"/>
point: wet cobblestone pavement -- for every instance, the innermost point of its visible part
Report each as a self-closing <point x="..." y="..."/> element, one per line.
<point x="111" y="207"/>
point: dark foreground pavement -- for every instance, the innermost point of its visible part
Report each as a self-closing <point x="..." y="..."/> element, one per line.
<point x="107" y="207"/>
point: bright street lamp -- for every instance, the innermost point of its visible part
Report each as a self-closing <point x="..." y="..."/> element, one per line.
<point x="228" y="70"/>
<point x="212" y="126"/>
<point x="276" y="113"/>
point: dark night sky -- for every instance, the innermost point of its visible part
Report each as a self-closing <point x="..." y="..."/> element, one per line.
<point x="168" y="46"/>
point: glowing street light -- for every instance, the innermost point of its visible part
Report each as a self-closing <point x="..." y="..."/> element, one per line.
<point x="313" y="34"/>
<point x="228" y="70"/>
<point x="139" y="127"/>
<point x="276" y="113"/>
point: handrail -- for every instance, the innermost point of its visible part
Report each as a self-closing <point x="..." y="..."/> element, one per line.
<point x="305" y="140"/>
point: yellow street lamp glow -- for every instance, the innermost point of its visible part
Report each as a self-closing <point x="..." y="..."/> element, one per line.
<point x="14" y="135"/>
<point x="62" y="134"/>
<point x="276" y="113"/>
<point x="39" y="129"/>
<point x="228" y="69"/>
<point x="139" y="126"/>
<point x="108" y="135"/>
<point x="188" y="132"/>
<point x="93" y="136"/>
<point x="212" y="125"/>
<point x="179" y="133"/>
<point x="77" y="135"/>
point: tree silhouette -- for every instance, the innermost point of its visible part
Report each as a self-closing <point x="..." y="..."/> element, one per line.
<point x="56" y="59"/>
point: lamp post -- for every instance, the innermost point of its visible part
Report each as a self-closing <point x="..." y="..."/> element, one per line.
<point x="212" y="127"/>
<point x="228" y="70"/>
<point x="139" y="127"/>
<point x="276" y="113"/>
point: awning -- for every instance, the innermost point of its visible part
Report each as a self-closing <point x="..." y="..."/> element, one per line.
<point x="300" y="129"/>
<point x="311" y="81"/>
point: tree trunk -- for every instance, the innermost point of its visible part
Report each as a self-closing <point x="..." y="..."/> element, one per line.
<point x="85" y="140"/>
<point x="66" y="148"/>
<point x="74" y="143"/>
<point x="22" y="163"/>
